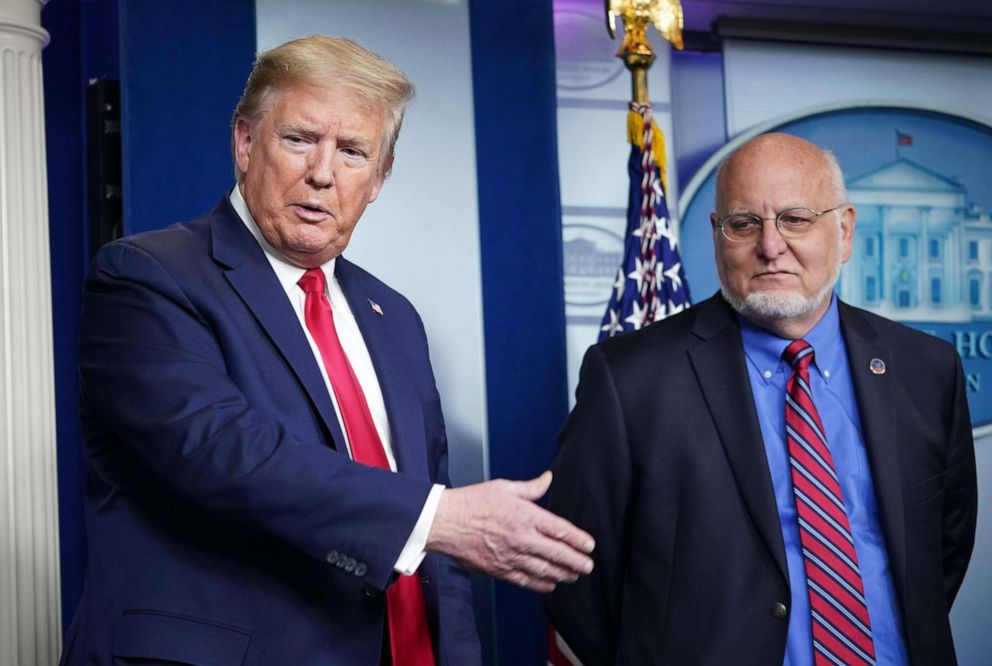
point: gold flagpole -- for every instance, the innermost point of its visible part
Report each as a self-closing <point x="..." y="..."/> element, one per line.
<point x="635" y="49"/>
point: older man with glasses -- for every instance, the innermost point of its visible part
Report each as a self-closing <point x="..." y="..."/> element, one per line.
<point x="771" y="477"/>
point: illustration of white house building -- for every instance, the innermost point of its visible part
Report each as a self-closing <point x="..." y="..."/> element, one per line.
<point x="921" y="252"/>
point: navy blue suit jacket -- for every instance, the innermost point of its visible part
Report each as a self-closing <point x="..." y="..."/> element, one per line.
<point x="662" y="460"/>
<point x="225" y="526"/>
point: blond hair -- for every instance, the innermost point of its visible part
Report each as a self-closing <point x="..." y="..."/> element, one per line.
<point x="324" y="61"/>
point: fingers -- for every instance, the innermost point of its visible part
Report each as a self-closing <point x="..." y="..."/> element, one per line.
<point x="535" y="488"/>
<point x="559" y="529"/>
<point x="539" y="565"/>
<point x="496" y="529"/>
<point x="539" y="575"/>
<point x="563" y="548"/>
<point x="562" y="557"/>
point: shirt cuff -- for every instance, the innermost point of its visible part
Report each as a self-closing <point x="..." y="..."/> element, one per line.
<point x="413" y="552"/>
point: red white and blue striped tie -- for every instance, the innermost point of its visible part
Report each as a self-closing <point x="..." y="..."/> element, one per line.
<point x="841" y="627"/>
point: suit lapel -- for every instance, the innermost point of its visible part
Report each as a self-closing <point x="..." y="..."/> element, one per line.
<point x="877" y="407"/>
<point x="721" y="372"/>
<point x="251" y="276"/>
<point x="406" y="416"/>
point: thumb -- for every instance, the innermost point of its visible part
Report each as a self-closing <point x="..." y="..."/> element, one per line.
<point x="535" y="488"/>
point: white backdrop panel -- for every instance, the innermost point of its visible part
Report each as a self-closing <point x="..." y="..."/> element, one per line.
<point x="422" y="235"/>
<point x="765" y="81"/>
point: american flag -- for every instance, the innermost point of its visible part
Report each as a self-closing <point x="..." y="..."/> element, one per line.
<point x="650" y="284"/>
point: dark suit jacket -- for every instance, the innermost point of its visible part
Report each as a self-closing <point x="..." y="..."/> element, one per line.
<point x="224" y="525"/>
<point x="662" y="461"/>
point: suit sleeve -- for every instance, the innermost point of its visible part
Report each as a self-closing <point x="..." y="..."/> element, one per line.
<point x="960" y="504"/>
<point x="592" y="487"/>
<point x="161" y="409"/>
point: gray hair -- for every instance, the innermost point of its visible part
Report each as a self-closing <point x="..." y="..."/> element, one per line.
<point x="836" y="177"/>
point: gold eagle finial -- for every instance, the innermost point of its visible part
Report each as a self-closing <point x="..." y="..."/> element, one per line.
<point x="635" y="50"/>
<point x="665" y="15"/>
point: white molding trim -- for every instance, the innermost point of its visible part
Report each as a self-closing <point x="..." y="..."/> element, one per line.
<point x="30" y="606"/>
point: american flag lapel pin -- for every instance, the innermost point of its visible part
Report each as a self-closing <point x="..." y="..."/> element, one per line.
<point x="375" y="307"/>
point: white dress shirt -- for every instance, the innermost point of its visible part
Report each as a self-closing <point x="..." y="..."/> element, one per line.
<point x="354" y="347"/>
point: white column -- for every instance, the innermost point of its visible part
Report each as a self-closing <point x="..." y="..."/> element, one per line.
<point x="30" y="630"/>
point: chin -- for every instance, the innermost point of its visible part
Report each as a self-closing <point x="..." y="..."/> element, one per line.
<point x="768" y="305"/>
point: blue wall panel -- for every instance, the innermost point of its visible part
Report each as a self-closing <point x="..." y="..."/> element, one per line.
<point x="82" y="46"/>
<point x="523" y="297"/>
<point x="63" y="85"/>
<point x="183" y="66"/>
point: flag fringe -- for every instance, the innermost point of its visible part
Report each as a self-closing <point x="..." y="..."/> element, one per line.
<point x="635" y="136"/>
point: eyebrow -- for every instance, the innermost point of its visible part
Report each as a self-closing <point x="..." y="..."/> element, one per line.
<point x="354" y="140"/>
<point x="358" y="141"/>
<point x="292" y="128"/>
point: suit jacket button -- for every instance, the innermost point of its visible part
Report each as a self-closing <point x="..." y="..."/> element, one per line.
<point x="779" y="610"/>
<point x="349" y="566"/>
<point x="332" y="557"/>
<point x="361" y="569"/>
<point x="370" y="592"/>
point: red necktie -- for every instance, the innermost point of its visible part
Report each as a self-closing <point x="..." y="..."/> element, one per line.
<point x="409" y="636"/>
<point x="841" y="627"/>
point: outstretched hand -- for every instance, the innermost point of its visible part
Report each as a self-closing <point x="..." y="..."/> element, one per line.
<point x="495" y="528"/>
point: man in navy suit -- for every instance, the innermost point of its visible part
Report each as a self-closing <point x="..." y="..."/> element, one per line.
<point x="267" y="462"/>
<point x="773" y="476"/>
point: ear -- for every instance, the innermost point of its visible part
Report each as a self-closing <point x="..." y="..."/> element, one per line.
<point x="380" y="178"/>
<point x="848" y="220"/>
<point x="242" y="143"/>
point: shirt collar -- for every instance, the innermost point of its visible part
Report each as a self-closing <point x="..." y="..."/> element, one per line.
<point x="289" y="274"/>
<point x="763" y="348"/>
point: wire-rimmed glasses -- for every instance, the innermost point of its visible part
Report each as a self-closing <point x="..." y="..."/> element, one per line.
<point x="744" y="226"/>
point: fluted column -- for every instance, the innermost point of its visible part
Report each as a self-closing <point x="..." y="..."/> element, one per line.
<point x="30" y="631"/>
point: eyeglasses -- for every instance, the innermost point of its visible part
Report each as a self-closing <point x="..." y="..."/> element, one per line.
<point x="791" y="223"/>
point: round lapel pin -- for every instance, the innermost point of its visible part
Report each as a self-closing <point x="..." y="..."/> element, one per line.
<point x="877" y="366"/>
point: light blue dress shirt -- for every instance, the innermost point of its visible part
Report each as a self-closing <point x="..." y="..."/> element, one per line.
<point x="833" y="395"/>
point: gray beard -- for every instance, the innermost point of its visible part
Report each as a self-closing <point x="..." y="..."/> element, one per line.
<point x="773" y="305"/>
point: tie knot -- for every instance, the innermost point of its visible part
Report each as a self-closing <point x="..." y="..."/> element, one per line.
<point x="313" y="281"/>
<point x="799" y="354"/>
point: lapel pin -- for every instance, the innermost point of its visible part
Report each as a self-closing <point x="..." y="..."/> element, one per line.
<point x="378" y="310"/>
<point x="877" y="366"/>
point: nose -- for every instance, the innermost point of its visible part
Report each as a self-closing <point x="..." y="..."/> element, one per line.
<point x="320" y="169"/>
<point x="771" y="243"/>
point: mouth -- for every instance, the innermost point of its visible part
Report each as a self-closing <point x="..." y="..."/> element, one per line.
<point x="311" y="211"/>
<point x="773" y="276"/>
